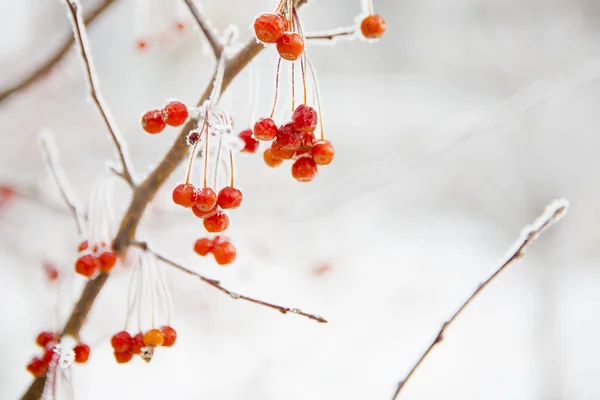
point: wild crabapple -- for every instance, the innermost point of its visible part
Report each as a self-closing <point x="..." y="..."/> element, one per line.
<point x="203" y="246"/>
<point x="288" y="137"/>
<point x="268" y="28"/>
<point x="170" y="336"/>
<point x="175" y="113"/>
<point x="137" y="343"/>
<point x="205" y="199"/>
<point x="123" y="357"/>
<point x="270" y="160"/>
<point x="290" y="46"/>
<point x="229" y="197"/>
<point x="279" y="153"/>
<point x="37" y="367"/>
<point x="265" y="129"/>
<point x="82" y="353"/>
<point x="45" y="337"/>
<point x="154" y="337"/>
<point x="224" y="252"/>
<point x="121" y="342"/>
<point x="48" y="355"/>
<point x="153" y="122"/>
<point x="250" y="143"/>
<point x="322" y="152"/>
<point x="205" y="214"/>
<point x="107" y="260"/>
<point x="183" y="195"/>
<point x="305" y="118"/>
<point x="87" y="265"/>
<point x="373" y="26"/>
<point x="218" y="222"/>
<point x="304" y="169"/>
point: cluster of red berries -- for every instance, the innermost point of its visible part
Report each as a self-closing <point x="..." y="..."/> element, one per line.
<point x="220" y="246"/>
<point x="126" y="346"/>
<point x="209" y="206"/>
<point x="38" y="366"/>
<point x="273" y="28"/>
<point x="295" y="140"/>
<point x="174" y="113"/>
<point x="373" y="26"/>
<point x="95" y="258"/>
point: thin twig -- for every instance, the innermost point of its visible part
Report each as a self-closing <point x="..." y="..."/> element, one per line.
<point x="217" y="285"/>
<point x="553" y="213"/>
<point x="203" y="24"/>
<point x="343" y="33"/>
<point x="50" y="157"/>
<point x="94" y="91"/>
<point x="48" y="65"/>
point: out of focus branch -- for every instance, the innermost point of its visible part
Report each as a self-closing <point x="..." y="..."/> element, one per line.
<point x="203" y="24"/>
<point x="553" y="213"/>
<point x="55" y="58"/>
<point x="217" y="285"/>
<point x="333" y="35"/>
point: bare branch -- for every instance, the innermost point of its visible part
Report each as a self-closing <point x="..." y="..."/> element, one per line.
<point x="347" y="33"/>
<point x="94" y="91"/>
<point x="553" y="213"/>
<point x="209" y="33"/>
<point x="217" y="285"/>
<point x="50" y="157"/>
<point x="48" y="65"/>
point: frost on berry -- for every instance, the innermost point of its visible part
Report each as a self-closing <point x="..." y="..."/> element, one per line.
<point x="305" y="118"/>
<point x="290" y="46"/>
<point x="288" y="137"/>
<point x="269" y="160"/>
<point x="224" y="252"/>
<point x="265" y="129"/>
<point x="304" y="169"/>
<point x="87" y="265"/>
<point x="175" y="113"/>
<point x="217" y="222"/>
<point x="205" y="199"/>
<point x="203" y="246"/>
<point x="153" y="122"/>
<point x="279" y="153"/>
<point x="183" y="195"/>
<point x="45" y="337"/>
<point x="322" y="152"/>
<point x="250" y="143"/>
<point x="373" y="26"/>
<point x="268" y="28"/>
<point x="82" y="353"/>
<point x="204" y="214"/>
<point x="230" y="197"/>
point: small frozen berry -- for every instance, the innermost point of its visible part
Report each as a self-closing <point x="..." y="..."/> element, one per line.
<point x="82" y="353"/>
<point x="121" y="342"/>
<point x="123" y="357"/>
<point x="175" y="113"/>
<point x="250" y="144"/>
<point x="205" y="199"/>
<point x="141" y="44"/>
<point x="268" y="28"/>
<point x="170" y="336"/>
<point x="51" y="271"/>
<point x="307" y="141"/>
<point x="305" y="118"/>
<point x="288" y="137"/>
<point x="204" y="214"/>
<point x="183" y="195"/>
<point x="87" y="265"/>
<point x="373" y="26"/>
<point x="279" y="153"/>
<point x="43" y="338"/>
<point x="48" y="355"/>
<point x="154" y="337"/>
<point x="304" y="169"/>
<point x="269" y="160"/>
<point x="137" y="343"/>
<point x="217" y="222"/>
<point x="265" y="129"/>
<point x="203" y="246"/>
<point x="322" y="152"/>
<point x="37" y="367"/>
<point x="229" y="197"/>
<point x="290" y="46"/>
<point x="82" y="246"/>
<point x="107" y="260"/>
<point x="153" y="122"/>
<point x="224" y="253"/>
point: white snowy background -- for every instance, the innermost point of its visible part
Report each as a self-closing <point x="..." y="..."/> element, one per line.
<point x="452" y="133"/>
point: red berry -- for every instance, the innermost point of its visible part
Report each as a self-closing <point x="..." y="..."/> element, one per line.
<point x="305" y="118"/>
<point x="205" y="199"/>
<point x="373" y="26"/>
<point x="322" y="152"/>
<point x="123" y="357"/>
<point x="43" y="338"/>
<point x="51" y="271"/>
<point x="217" y="222"/>
<point x="290" y="46"/>
<point x="170" y="336"/>
<point x="269" y="160"/>
<point x="48" y="355"/>
<point x="250" y="144"/>
<point x="153" y="122"/>
<point x="224" y="253"/>
<point x="288" y="138"/>
<point x="307" y="141"/>
<point x="204" y="214"/>
<point x="137" y="343"/>
<point x="175" y="113"/>
<point x="82" y="353"/>
<point x="154" y="337"/>
<point x="121" y="342"/>
<point x="183" y="195"/>
<point x="83" y="246"/>
<point x="269" y="27"/>
<point x="265" y="129"/>
<point x="203" y="246"/>
<point x="279" y="153"/>
<point x="107" y="260"/>
<point x="37" y="367"/>
<point x="87" y="265"/>
<point x="230" y="197"/>
<point x="304" y="169"/>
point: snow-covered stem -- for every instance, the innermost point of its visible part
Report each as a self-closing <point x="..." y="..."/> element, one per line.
<point x="217" y="285"/>
<point x="333" y="34"/>
<point x="47" y="66"/>
<point x="207" y="30"/>
<point x="50" y="157"/>
<point x="94" y="91"/>
<point x="552" y="214"/>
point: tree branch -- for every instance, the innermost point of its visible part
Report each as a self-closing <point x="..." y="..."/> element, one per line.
<point x="93" y="87"/>
<point x="553" y="213"/>
<point x="47" y="66"/>
<point x="332" y="35"/>
<point x="217" y="285"/>
<point x="203" y="24"/>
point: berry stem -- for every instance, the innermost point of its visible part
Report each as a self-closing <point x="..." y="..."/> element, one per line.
<point x="293" y="86"/>
<point x="231" y="166"/>
<point x="290" y="19"/>
<point x="217" y="161"/>
<point x="276" y="87"/>
<point x="369" y="6"/>
<point x="195" y="149"/>
<point x="303" y="59"/>
<point x="317" y="95"/>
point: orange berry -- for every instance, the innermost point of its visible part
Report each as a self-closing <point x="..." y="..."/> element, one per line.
<point x="170" y="336"/>
<point x="270" y="160"/>
<point x="322" y="152"/>
<point x="373" y="26"/>
<point x="290" y="46"/>
<point x="154" y="337"/>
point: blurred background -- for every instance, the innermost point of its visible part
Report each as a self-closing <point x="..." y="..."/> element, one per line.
<point x="452" y="133"/>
